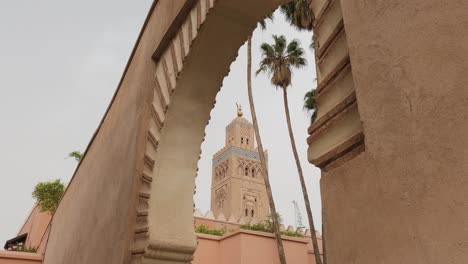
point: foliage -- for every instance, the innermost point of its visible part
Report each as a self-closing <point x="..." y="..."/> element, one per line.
<point x="202" y="229"/>
<point x="291" y="233"/>
<point x="48" y="195"/>
<point x="262" y="23"/>
<point x="77" y="155"/>
<point x="262" y="227"/>
<point x="299" y="14"/>
<point x="278" y="217"/>
<point x="279" y="58"/>
<point x="23" y="248"/>
<point x="267" y="226"/>
<point x="310" y="104"/>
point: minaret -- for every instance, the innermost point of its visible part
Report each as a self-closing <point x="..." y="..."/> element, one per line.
<point x="237" y="186"/>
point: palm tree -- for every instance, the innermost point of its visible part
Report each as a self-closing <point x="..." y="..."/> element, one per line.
<point x="310" y="104"/>
<point x="299" y="14"/>
<point x="271" y="202"/>
<point x="278" y="60"/>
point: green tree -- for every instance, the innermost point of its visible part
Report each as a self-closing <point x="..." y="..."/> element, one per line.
<point x="310" y="104"/>
<point x="278" y="60"/>
<point x="77" y="155"/>
<point x="271" y="202"/>
<point x="48" y="195"/>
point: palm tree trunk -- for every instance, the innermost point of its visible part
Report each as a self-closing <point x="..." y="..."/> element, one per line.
<point x="318" y="260"/>
<point x="324" y="249"/>
<point x="261" y="154"/>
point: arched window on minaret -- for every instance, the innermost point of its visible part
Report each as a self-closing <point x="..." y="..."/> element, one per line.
<point x="247" y="140"/>
<point x="246" y="212"/>
<point x="246" y="171"/>
<point x="242" y="140"/>
<point x="253" y="172"/>
<point x="252" y="212"/>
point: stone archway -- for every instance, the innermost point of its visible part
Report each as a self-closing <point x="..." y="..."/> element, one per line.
<point x="139" y="170"/>
<point x="130" y="200"/>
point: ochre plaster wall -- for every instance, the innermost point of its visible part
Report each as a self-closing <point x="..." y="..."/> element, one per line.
<point x="404" y="199"/>
<point x="95" y="220"/>
<point x="36" y="227"/>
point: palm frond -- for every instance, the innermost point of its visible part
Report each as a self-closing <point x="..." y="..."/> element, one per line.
<point x="295" y="54"/>
<point x="299" y="14"/>
<point x="280" y="44"/>
<point x="267" y="50"/>
<point x="262" y="23"/>
<point x="309" y="100"/>
<point x="279" y="58"/>
<point x="263" y="68"/>
<point x="310" y="104"/>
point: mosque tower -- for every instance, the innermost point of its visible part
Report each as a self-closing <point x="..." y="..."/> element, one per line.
<point x="237" y="185"/>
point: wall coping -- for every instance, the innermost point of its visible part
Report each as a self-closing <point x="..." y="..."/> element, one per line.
<point x="20" y="255"/>
<point x="303" y="240"/>
<point x="217" y="221"/>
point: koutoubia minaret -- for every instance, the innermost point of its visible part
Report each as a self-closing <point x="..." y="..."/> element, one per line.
<point x="237" y="186"/>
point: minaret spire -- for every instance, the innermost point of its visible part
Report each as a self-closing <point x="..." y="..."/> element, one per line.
<point x="239" y="110"/>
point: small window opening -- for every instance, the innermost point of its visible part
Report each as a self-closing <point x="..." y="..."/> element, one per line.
<point x="242" y="140"/>
<point x="252" y="212"/>
<point x="253" y="173"/>
<point x="246" y="171"/>
<point x="246" y="212"/>
<point x="247" y="140"/>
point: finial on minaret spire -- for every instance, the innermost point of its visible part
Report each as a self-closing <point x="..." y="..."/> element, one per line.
<point x="239" y="110"/>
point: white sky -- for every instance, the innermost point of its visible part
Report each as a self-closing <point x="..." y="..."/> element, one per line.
<point x="60" y="63"/>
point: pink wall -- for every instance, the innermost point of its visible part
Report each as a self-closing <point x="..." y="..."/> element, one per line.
<point x="250" y="247"/>
<point x="207" y="249"/>
<point x="11" y="257"/>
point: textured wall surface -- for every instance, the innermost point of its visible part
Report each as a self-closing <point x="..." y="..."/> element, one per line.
<point x="94" y="222"/>
<point x="404" y="200"/>
<point x="36" y="226"/>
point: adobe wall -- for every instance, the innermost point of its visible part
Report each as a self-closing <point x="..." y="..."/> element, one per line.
<point x="95" y="220"/>
<point x="403" y="200"/>
<point x="36" y="226"/>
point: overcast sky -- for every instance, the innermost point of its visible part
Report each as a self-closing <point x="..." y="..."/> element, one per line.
<point x="60" y="63"/>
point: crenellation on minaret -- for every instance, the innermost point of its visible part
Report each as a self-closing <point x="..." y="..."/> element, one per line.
<point x="237" y="187"/>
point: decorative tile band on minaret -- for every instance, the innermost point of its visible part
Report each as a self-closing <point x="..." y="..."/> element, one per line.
<point x="237" y="186"/>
